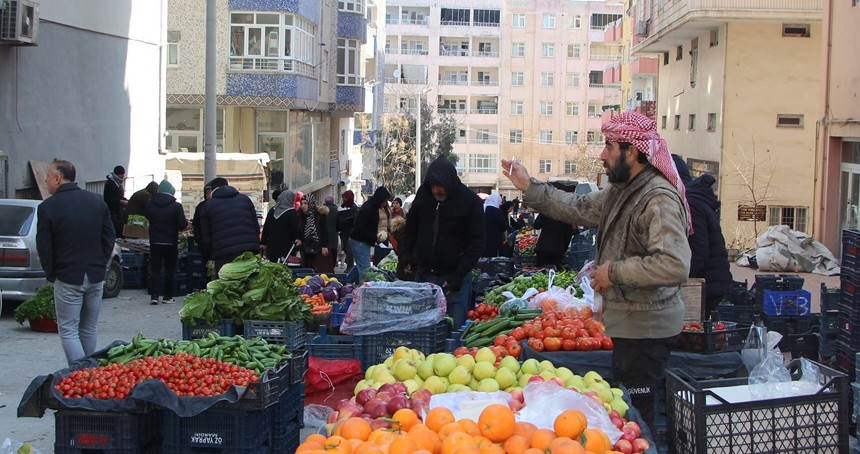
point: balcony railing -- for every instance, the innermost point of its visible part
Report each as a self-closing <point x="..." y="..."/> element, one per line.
<point x="484" y="140"/>
<point x="451" y="110"/>
<point x="593" y="85"/>
<point x="605" y="57"/>
<point x="276" y="64"/>
<point x="483" y="53"/>
<point x="453" y="82"/>
<point x="424" y="21"/>
<point x="457" y="23"/>
<point x="485" y="83"/>
<point x="485" y="111"/>
<point x="454" y="53"/>
<point x="414" y="51"/>
<point x="391" y="21"/>
<point x="397" y="80"/>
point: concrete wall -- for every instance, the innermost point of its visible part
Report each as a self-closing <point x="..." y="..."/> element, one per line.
<point x="189" y="18"/>
<point x="89" y="92"/>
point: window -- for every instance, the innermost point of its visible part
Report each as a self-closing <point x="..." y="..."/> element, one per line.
<point x="679" y="52"/>
<point x="548" y="20"/>
<point x="789" y="121"/>
<point x="516" y="136"/>
<point x="601" y="20"/>
<point x="595" y="78"/>
<point x="348" y="62"/>
<point x="570" y="138"/>
<point x="573" y="50"/>
<point x="795" y="30"/>
<point x="272" y="42"/>
<point x="545" y="166"/>
<point x="715" y="37"/>
<point x="663" y="122"/>
<point x="173" y="49"/>
<point x="793" y="217"/>
<point x="518" y="49"/>
<point x="594" y="136"/>
<point x="517" y="79"/>
<point x="487" y="17"/>
<point x="569" y="167"/>
<point x="574" y="21"/>
<point x="546" y="136"/>
<point x="694" y="61"/>
<point x="595" y="109"/>
<point x="712" y="122"/>
<point x="351" y="6"/>
<point x="571" y="109"/>
<point x="691" y="122"/>
<point x="546" y="107"/>
<point x="547" y="49"/>
<point x="451" y="16"/>
<point x="572" y="79"/>
<point x="677" y="122"/>
<point x="665" y="58"/>
<point x="482" y="163"/>
<point x="516" y="107"/>
<point x="547" y="79"/>
<point x="519" y="20"/>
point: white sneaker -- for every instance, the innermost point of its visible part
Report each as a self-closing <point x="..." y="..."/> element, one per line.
<point x="168" y="301"/>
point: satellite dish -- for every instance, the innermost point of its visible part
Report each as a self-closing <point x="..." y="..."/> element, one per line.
<point x="396" y="73"/>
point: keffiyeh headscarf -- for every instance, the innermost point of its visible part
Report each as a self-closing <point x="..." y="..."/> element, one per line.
<point x="311" y="233"/>
<point x="493" y="200"/>
<point x="641" y="131"/>
<point x="285" y="203"/>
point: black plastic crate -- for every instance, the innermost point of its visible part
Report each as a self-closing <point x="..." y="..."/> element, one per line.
<point x="829" y="322"/>
<point x="298" y="365"/>
<point x="775" y="282"/>
<point x="712" y="341"/>
<point x="287" y="418"/>
<point x="375" y="348"/>
<point x="827" y="345"/>
<point x="701" y="421"/>
<point x="81" y="431"/>
<point x="740" y="294"/>
<point x="737" y="313"/>
<point x="850" y="339"/>
<point x="134" y="278"/>
<point x="290" y="334"/>
<point x="266" y="392"/>
<point x="789" y="325"/>
<point x="577" y="259"/>
<point x="801" y="345"/>
<point x="829" y="298"/>
<point x="217" y="430"/>
<point x="332" y="346"/>
<point x="224" y="327"/>
<point x="500" y="265"/>
<point x="134" y="260"/>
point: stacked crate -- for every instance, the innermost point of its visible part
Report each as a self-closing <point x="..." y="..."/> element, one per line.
<point x="739" y="304"/>
<point x="134" y="270"/>
<point x="582" y="250"/>
<point x="829" y="325"/>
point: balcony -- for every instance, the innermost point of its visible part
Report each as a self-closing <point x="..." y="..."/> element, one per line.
<point x="484" y="140"/>
<point x="644" y="66"/>
<point x="672" y="24"/>
<point x="453" y="82"/>
<point x="604" y="86"/>
<point x="604" y="56"/>
<point x="271" y="64"/>
<point x="485" y="83"/>
<point x="484" y="53"/>
<point x="413" y="51"/>
<point x="401" y="81"/>
<point x="485" y="111"/>
<point x="613" y="32"/>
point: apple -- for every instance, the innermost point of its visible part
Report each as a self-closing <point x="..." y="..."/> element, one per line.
<point x="629" y="434"/>
<point x="515" y="405"/>
<point x="384" y="396"/>
<point x="419" y="407"/>
<point x="517" y="394"/>
<point x="624" y="446"/>
<point x="396" y="403"/>
<point x="593" y="395"/>
<point x="640" y="445"/>
<point x="635" y="427"/>
<point x="341" y="404"/>
<point x="617" y="422"/>
<point x="376" y="408"/>
<point x="557" y="381"/>
<point x="388" y="388"/>
<point x="400" y="387"/>
<point x="332" y="417"/>
<point x="614" y="413"/>
<point x="536" y="379"/>
<point x="365" y="395"/>
<point x="422" y="395"/>
<point x="380" y="424"/>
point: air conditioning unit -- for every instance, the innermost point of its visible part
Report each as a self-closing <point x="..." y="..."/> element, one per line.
<point x="19" y="22"/>
<point x="642" y="27"/>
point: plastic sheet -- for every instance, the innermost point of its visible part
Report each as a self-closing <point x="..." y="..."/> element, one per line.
<point x="316" y="416"/>
<point x="15" y="447"/>
<point x="379" y="307"/>
<point x="546" y="400"/>
<point x="770" y="379"/>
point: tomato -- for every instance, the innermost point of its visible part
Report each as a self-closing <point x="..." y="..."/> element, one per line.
<point x="606" y="343"/>
<point x="552" y="344"/>
<point x="568" y="345"/>
<point x="568" y="333"/>
<point x="552" y="331"/>
<point x="595" y="343"/>
<point x="538" y="345"/>
<point x="515" y="350"/>
<point x="539" y="335"/>
<point x="519" y="333"/>
<point x="459" y="351"/>
<point x="583" y="344"/>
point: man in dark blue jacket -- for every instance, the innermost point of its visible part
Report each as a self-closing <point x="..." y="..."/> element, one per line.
<point x="444" y="236"/>
<point x="166" y="220"/>
<point x="75" y="239"/>
<point x="229" y="225"/>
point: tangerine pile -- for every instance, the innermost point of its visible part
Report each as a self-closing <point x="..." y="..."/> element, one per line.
<point x="495" y="432"/>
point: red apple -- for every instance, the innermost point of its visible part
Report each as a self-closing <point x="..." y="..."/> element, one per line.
<point x="557" y="381"/>
<point x="376" y="408"/>
<point x="635" y="427"/>
<point x="640" y="445"/>
<point x="396" y="403"/>
<point x="364" y="395"/>
<point x="624" y="446"/>
<point x="400" y="387"/>
<point x="388" y="388"/>
<point x="614" y="414"/>
<point x="341" y="404"/>
<point x="385" y="396"/>
<point x="517" y="394"/>
<point x="592" y="395"/>
<point x="332" y="417"/>
<point x="617" y="422"/>
<point x="419" y="407"/>
<point x="380" y="424"/>
<point x="515" y="405"/>
<point x="536" y="379"/>
<point x="628" y="434"/>
<point x="422" y="394"/>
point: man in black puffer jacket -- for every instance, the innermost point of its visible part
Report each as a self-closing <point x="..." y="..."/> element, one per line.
<point x="710" y="259"/>
<point x="166" y="220"/>
<point x="229" y="225"/>
<point x="444" y="236"/>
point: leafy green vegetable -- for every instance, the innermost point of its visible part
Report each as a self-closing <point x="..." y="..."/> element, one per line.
<point x="136" y="219"/>
<point x="40" y="305"/>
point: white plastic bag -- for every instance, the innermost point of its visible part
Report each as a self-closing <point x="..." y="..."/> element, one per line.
<point x="469" y="404"/>
<point x="594" y="299"/>
<point x="14" y="447"/>
<point x="546" y="400"/>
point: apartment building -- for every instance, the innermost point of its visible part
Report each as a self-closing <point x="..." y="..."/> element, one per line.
<point x="637" y="74"/>
<point x="738" y="97"/>
<point x="522" y="79"/>
<point x="289" y="79"/>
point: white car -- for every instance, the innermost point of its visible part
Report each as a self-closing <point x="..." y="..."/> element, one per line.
<point x="21" y="272"/>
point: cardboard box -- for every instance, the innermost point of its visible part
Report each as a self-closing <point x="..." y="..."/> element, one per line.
<point x="693" y="295"/>
<point x="135" y="231"/>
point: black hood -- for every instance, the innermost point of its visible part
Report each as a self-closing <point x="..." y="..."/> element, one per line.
<point x="162" y="199"/>
<point x="224" y="192"/>
<point x="702" y="189"/>
<point x="442" y="172"/>
<point x="380" y="195"/>
<point x="683" y="170"/>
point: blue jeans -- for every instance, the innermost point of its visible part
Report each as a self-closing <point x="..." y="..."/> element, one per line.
<point x="78" y="316"/>
<point x="459" y="302"/>
<point x="361" y="254"/>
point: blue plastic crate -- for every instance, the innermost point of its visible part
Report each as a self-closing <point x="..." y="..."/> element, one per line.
<point x="788" y="325"/>
<point x="787" y="303"/>
<point x="737" y="313"/>
<point x="82" y="431"/>
<point x="133" y="260"/>
<point x="287" y="418"/>
<point x="134" y="279"/>
<point x="217" y="430"/>
<point x="289" y="334"/>
<point x="776" y="282"/>
<point x="375" y="348"/>
<point x="829" y="298"/>
<point x="331" y="346"/>
<point x="223" y="328"/>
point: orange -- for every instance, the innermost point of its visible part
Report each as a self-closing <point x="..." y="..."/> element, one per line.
<point x="402" y="444"/>
<point x="469" y="426"/>
<point x="367" y="447"/>
<point x="595" y="440"/>
<point x="406" y="418"/>
<point x="456" y="441"/>
<point x="452" y="427"/>
<point x="564" y="445"/>
<point x="355" y="427"/>
<point x="516" y="444"/>
<point x="438" y="417"/>
<point x="317" y="438"/>
<point x="337" y="443"/>
<point x="467" y="450"/>
<point x="570" y="423"/>
<point x="534" y="451"/>
<point x="542" y="438"/>
<point x="525" y="429"/>
<point x="425" y="438"/>
<point x="497" y="422"/>
<point x="309" y="446"/>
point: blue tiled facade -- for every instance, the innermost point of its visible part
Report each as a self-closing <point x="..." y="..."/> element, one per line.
<point x="352" y="96"/>
<point x="277" y="85"/>
<point x="352" y="26"/>
<point x="311" y="9"/>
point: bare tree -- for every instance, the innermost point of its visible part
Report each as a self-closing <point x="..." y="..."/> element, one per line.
<point x="754" y="174"/>
<point x="586" y="160"/>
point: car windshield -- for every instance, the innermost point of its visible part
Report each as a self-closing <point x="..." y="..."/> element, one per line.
<point x="16" y="220"/>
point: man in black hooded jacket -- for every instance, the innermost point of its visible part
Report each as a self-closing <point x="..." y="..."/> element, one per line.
<point x="710" y="258"/>
<point x="444" y="236"/>
<point x="229" y="225"/>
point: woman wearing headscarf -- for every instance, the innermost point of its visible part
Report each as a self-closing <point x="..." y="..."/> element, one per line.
<point x="281" y="229"/>
<point x="365" y="232"/>
<point x="313" y="232"/>
<point x="495" y="224"/>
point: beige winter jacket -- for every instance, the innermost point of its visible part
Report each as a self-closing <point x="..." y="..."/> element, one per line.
<point x="641" y="227"/>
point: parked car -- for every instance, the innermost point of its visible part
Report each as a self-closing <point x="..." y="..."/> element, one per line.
<point x="21" y="271"/>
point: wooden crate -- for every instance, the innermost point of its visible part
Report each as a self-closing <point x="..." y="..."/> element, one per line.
<point x="693" y="295"/>
<point x="135" y="231"/>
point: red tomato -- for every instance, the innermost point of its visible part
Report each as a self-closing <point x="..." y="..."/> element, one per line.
<point x="519" y="333"/>
<point x="515" y="350"/>
<point x="595" y="343"/>
<point x="568" y="333"/>
<point x="552" y="344"/>
<point x="583" y="344"/>
<point x="568" y="345"/>
<point x="606" y="343"/>
<point x="538" y="345"/>
<point x="500" y="340"/>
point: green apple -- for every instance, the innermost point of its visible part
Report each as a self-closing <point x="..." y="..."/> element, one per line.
<point x="591" y="378"/>
<point x="473" y="384"/>
<point x="510" y="363"/>
<point x="619" y="405"/>
<point x="435" y="385"/>
<point x="412" y="386"/>
<point x="547" y="375"/>
<point x="380" y="370"/>
<point x="483" y="370"/>
<point x="359" y="386"/>
<point x="605" y="394"/>
<point x="425" y="369"/>
<point x="530" y="366"/>
<point x="443" y="364"/>
<point x="389" y="362"/>
<point x="368" y="374"/>
<point x="575" y="382"/>
<point x="455" y="388"/>
<point x="384" y="377"/>
<point x="488" y="385"/>
<point x="467" y="361"/>
<point x="563" y="373"/>
<point x="404" y="369"/>
<point x="618" y="392"/>
<point x="505" y="377"/>
<point x="546" y="365"/>
<point x="485" y="355"/>
<point x="460" y="376"/>
<point x="524" y="380"/>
